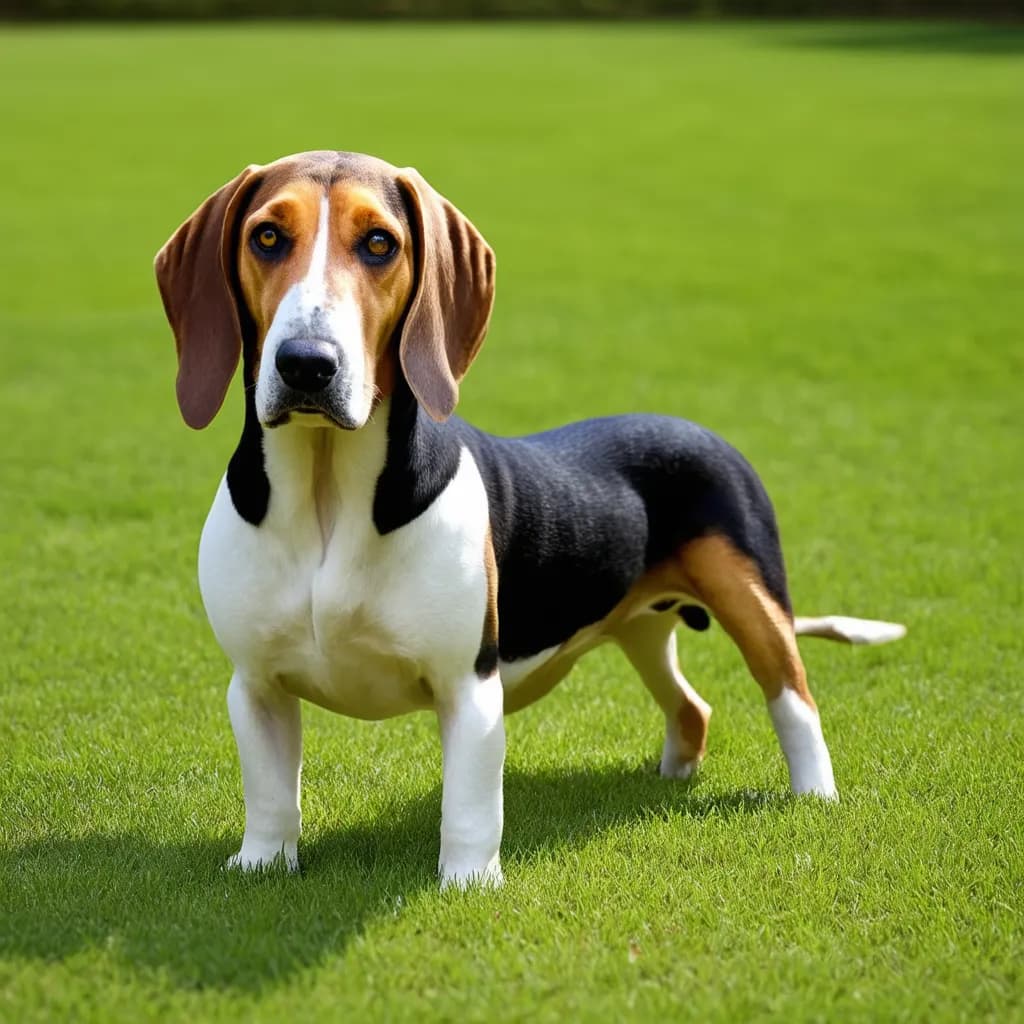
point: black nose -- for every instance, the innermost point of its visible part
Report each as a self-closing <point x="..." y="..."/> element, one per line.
<point x="307" y="365"/>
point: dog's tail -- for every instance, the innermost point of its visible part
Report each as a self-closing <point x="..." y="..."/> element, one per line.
<point x="850" y="631"/>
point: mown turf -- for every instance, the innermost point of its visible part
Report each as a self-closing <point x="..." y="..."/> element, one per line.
<point x="808" y="237"/>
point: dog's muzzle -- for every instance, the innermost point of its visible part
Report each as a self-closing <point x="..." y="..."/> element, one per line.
<point x="311" y="381"/>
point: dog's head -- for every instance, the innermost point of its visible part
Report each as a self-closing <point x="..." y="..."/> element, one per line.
<point x="332" y="273"/>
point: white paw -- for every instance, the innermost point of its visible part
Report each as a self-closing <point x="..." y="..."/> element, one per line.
<point x="264" y="857"/>
<point x="683" y="749"/>
<point x="456" y="877"/>
<point x="822" y="790"/>
<point x="675" y="767"/>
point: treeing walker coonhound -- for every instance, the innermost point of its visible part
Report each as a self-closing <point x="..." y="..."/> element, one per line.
<point x="372" y="553"/>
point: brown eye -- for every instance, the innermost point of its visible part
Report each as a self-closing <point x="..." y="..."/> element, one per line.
<point x="267" y="240"/>
<point x="377" y="247"/>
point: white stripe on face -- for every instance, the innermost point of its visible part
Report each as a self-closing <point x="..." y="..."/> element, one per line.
<point x="314" y="284"/>
<point x="309" y="309"/>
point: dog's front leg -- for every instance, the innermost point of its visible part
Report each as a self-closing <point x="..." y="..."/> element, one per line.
<point x="268" y="730"/>
<point x="473" y="751"/>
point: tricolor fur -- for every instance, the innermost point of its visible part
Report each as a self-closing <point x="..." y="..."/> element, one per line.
<point x="374" y="554"/>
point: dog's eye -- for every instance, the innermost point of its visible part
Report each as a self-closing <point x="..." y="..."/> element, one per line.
<point x="377" y="247"/>
<point x="267" y="240"/>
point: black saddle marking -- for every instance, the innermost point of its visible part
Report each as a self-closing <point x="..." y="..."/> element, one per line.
<point x="578" y="514"/>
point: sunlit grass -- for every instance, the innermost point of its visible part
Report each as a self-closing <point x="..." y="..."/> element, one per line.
<point x="808" y="238"/>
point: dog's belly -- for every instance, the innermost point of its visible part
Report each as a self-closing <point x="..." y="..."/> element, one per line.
<point x="353" y="676"/>
<point x="526" y="680"/>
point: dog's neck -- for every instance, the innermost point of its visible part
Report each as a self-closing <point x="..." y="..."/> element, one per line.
<point x="324" y="471"/>
<point x="388" y="471"/>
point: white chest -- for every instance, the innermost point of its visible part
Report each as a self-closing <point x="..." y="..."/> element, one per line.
<point x="316" y="601"/>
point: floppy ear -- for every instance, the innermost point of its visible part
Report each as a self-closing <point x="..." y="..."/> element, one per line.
<point x="194" y="270"/>
<point x="453" y="291"/>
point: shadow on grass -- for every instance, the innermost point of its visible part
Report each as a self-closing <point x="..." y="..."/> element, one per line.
<point x="970" y="39"/>
<point x="170" y="909"/>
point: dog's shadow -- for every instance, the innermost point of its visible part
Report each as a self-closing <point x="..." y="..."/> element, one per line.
<point x="170" y="909"/>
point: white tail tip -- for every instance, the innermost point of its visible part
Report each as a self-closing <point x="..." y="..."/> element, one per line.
<point x="850" y="631"/>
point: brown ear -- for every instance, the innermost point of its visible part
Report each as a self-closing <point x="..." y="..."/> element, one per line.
<point x="194" y="271"/>
<point x="453" y="292"/>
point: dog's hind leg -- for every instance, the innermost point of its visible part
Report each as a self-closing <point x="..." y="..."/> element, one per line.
<point x="732" y="587"/>
<point x="649" y="642"/>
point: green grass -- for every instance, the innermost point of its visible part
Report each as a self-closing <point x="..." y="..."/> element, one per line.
<point x="807" y="237"/>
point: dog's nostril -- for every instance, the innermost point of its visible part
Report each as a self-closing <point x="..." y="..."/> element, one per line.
<point x="307" y="365"/>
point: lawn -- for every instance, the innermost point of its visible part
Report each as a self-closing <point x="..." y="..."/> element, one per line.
<point x="808" y="237"/>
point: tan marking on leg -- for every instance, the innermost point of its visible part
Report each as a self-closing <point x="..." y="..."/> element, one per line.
<point x="693" y="729"/>
<point x="729" y="583"/>
<point x="491" y="616"/>
<point x="487" y="656"/>
<point x="649" y="642"/>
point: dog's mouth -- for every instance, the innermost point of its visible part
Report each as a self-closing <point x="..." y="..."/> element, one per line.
<point x="327" y="408"/>
<point x="310" y="414"/>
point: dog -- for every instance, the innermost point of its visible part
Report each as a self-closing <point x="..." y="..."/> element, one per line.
<point x="372" y="553"/>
